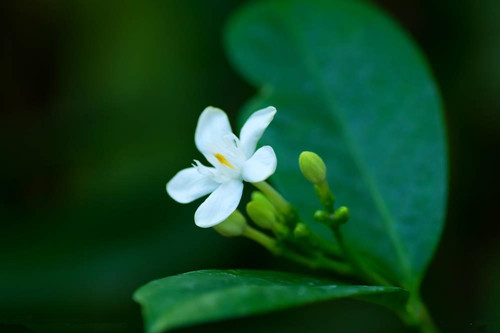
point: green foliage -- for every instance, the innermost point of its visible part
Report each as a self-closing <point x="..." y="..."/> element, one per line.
<point x="209" y="295"/>
<point x="349" y="85"/>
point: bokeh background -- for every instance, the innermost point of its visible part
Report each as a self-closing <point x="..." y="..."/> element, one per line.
<point x="100" y="102"/>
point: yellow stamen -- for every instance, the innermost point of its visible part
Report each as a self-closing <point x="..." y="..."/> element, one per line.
<point x="223" y="160"/>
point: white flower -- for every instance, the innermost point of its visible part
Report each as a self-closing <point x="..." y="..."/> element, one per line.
<point x="234" y="161"/>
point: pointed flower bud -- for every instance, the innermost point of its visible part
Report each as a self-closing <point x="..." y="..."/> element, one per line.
<point x="312" y="167"/>
<point x="261" y="214"/>
<point x="233" y="226"/>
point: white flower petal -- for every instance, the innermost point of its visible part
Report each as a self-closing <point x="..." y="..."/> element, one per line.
<point x="213" y="125"/>
<point x="204" y="170"/>
<point x="189" y="184"/>
<point x="254" y="128"/>
<point x="260" y="166"/>
<point x="219" y="205"/>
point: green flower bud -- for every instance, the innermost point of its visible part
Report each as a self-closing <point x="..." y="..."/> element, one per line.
<point x="321" y="216"/>
<point x="233" y="226"/>
<point x="341" y="215"/>
<point x="301" y="230"/>
<point x="261" y="198"/>
<point x="261" y="214"/>
<point x="312" y="167"/>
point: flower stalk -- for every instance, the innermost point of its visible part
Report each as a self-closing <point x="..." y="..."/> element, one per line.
<point x="325" y="196"/>
<point x="281" y="204"/>
<point x="302" y="231"/>
<point x="263" y="239"/>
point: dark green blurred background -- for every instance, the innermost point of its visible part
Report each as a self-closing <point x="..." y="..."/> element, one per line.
<point x="100" y="105"/>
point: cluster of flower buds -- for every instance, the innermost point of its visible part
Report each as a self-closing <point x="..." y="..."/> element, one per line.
<point x="279" y="228"/>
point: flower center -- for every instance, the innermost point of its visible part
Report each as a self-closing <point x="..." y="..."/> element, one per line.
<point x="223" y="160"/>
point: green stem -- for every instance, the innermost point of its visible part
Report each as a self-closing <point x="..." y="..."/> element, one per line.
<point x="419" y="315"/>
<point x="261" y="238"/>
<point x="276" y="199"/>
<point x="335" y="266"/>
<point x="280" y="229"/>
<point x="319" y="262"/>
<point x="322" y="244"/>
<point x="325" y="196"/>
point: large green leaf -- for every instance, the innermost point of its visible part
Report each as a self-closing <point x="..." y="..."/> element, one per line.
<point x="350" y="85"/>
<point x="210" y="295"/>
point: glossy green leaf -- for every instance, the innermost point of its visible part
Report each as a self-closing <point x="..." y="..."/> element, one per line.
<point x="210" y="295"/>
<point x="350" y="85"/>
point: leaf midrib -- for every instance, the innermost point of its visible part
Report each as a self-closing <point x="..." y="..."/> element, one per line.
<point x="380" y="204"/>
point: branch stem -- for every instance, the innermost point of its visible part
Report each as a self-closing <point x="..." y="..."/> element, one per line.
<point x="420" y="316"/>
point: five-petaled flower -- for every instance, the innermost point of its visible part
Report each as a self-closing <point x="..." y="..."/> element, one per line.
<point x="234" y="160"/>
